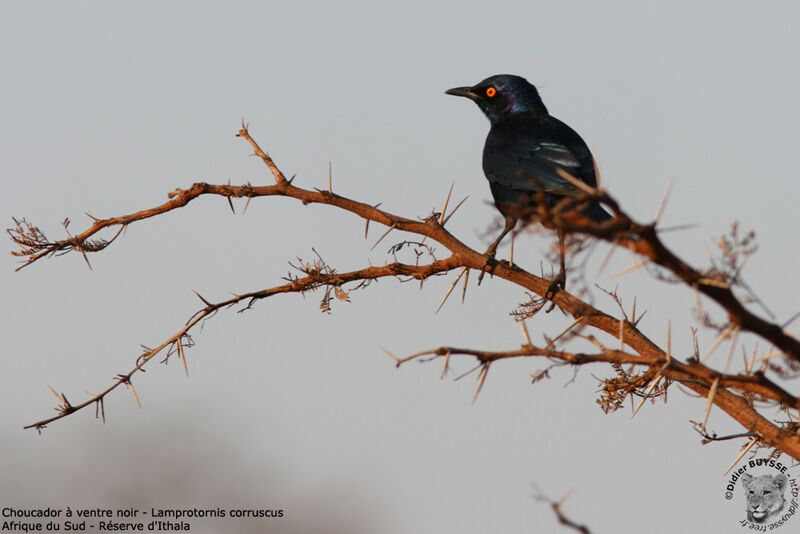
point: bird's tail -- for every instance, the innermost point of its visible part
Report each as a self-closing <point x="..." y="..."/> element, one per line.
<point x="597" y="213"/>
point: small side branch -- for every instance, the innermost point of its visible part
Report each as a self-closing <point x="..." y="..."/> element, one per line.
<point x="556" y="506"/>
<point x="177" y="342"/>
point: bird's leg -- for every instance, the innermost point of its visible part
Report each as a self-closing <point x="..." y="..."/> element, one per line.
<point x="510" y="222"/>
<point x="560" y="281"/>
<point x="487" y="266"/>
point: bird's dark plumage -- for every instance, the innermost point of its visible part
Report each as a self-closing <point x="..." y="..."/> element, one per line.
<point x="527" y="153"/>
<point x="527" y="147"/>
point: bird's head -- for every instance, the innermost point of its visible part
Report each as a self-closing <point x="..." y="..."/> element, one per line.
<point x="502" y="95"/>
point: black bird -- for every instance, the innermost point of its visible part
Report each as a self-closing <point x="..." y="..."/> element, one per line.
<point x="526" y="155"/>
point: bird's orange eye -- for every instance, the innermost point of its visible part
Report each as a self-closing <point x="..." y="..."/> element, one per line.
<point x="491" y="91"/>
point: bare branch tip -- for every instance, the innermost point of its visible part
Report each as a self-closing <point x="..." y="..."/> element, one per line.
<point x="392" y="356"/>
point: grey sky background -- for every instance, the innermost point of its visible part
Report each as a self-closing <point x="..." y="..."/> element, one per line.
<point x="106" y="107"/>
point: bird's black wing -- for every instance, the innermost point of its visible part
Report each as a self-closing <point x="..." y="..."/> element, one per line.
<point x="526" y="152"/>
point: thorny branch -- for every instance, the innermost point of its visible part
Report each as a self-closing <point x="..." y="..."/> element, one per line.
<point x="313" y="280"/>
<point x="733" y="393"/>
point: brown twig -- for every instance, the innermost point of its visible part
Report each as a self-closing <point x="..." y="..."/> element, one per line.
<point x="556" y="506"/>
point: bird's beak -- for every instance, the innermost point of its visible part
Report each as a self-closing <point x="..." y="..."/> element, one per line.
<point x="463" y="91"/>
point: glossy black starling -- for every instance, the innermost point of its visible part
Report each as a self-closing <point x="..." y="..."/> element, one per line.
<point x="527" y="153"/>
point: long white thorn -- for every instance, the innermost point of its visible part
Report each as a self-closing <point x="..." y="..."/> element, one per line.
<point x="445" y="364"/>
<point x="663" y="204"/>
<point x="524" y="328"/>
<point x="653" y="385"/>
<point x="444" y="222"/>
<point x="638" y="265"/>
<point x="580" y="184"/>
<point x="716" y="343"/>
<point x="567" y="329"/>
<point x="744" y="451"/>
<point x="712" y="393"/>
<point x="450" y="290"/>
<point x="392" y="227"/>
<point x="446" y="201"/>
<point x="481" y="379"/>
<point x="730" y="349"/>
<point x="669" y="341"/>
<point x="607" y="257"/>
